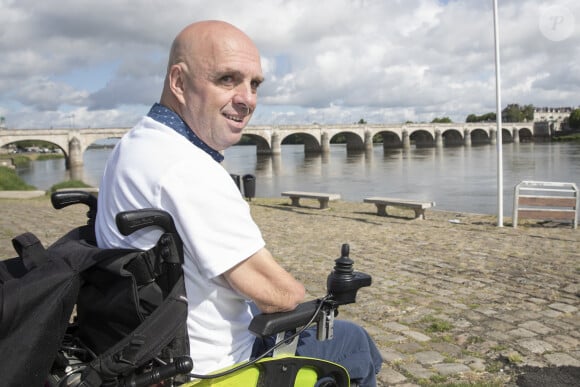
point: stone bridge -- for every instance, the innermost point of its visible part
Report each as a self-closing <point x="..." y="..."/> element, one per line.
<point x="316" y="138"/>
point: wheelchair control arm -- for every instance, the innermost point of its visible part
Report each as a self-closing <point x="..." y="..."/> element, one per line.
<point x="342" y="285"/>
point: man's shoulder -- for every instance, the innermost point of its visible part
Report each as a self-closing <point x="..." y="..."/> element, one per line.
<point x="148" y="132"/>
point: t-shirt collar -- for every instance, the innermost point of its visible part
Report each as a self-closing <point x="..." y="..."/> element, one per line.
<point x="169" y="118"/>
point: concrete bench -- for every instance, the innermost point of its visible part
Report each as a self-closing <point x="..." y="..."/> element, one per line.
<point x="323" y="198"/>
<point x="546" y="201"/>
<point x="418" y="206"/>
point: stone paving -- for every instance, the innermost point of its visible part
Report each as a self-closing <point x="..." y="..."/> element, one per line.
<point x="455" y="300"/>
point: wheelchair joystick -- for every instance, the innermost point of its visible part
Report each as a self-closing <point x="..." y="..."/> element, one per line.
<point x="343" y="282"/>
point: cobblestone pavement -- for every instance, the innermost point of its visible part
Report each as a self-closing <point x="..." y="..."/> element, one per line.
<point x="455" y="300"/>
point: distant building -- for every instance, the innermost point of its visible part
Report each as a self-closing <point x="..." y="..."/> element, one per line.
<point x="555" y="118"/>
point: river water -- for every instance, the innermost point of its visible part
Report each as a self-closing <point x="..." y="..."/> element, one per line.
<point x="462" y="179"/>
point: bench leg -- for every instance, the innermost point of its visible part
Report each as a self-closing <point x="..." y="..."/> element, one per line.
<point x="323" y="203"/>
<point x="295" y="201"/>
<point x="381" y="209"/>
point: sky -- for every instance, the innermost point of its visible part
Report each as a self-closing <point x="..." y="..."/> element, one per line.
<point x="88" y="63"/>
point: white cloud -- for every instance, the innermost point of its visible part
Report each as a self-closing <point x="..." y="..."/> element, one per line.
<point x="325" y="61"/>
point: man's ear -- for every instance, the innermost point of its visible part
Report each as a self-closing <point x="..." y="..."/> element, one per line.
<point x="177" y="82"/>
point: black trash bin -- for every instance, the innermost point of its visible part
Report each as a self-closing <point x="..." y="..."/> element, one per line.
<point x="237" y="181"/>
<point x="249" y="186"/>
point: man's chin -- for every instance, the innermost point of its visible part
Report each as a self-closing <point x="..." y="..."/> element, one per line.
<point x="232" y="140"/>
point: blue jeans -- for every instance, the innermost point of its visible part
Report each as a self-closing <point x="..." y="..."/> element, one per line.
<point x="351" y="347"/>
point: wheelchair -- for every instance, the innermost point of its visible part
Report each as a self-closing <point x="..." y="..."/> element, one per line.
<point x="89" y="357"/>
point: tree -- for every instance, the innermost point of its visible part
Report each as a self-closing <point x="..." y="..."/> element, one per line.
<point x="471" y="118"/>
<point x="528" y="112"/>
<point x="361" y="121"/>
<point x="512" y="113"/>
<point x="443" y="120"/>
<point x="574" y="119"/>
<point x="487" y="117"/>
<point x="517" y="113"/>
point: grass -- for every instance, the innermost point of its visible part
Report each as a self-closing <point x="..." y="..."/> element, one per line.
<point x="475" y="340"/>
<point x="24" y="159"/>
<point x="50" y="156"/>
<point x="514" y="358"/>
<point x="9" y="181"/>
<point x="436" y="324"/>
<point x="568" y="137"/>
<point x="17" y="160"/>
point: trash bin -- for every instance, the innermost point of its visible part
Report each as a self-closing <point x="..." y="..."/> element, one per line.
<point x="249" y="186"/>
<point x="237" y="181"/>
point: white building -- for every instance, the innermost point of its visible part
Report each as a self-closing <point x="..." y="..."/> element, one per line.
<point x="555" y="117"/>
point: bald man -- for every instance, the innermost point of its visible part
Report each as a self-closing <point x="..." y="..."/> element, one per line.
<point x="171" y="160"/>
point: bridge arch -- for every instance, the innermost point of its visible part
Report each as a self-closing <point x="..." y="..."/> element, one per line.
<point x="73" y="142"/>
<point x="311" y="143"/>
<point x="354" y="141"/>
<point x="422" y="138"/>
<point x="452" y="137"/>
<point x="480" y="136"/>
<point x="262" y="145"/>
<point x="525" y="134"/>
<point x="506" y="136"/>
<point x="391" y="140"/>
<point x="16" y="142"/>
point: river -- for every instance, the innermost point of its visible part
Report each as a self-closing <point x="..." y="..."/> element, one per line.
<point x="462" y="179"/>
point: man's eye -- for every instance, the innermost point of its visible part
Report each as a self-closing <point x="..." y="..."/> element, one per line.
<point x="227" y="79"/>
<point x="255" y="85"/>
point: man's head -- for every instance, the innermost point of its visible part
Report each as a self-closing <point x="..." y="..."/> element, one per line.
<point x="212" y="79"/>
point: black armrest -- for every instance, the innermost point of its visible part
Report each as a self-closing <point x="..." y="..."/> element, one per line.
<point x="270" y="324"/>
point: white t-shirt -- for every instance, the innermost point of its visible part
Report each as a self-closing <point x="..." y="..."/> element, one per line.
<point x="155" y="167"/>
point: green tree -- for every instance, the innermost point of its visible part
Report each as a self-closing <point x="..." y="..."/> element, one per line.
<point x="487" y="117"/>
<point x="443" y="120"/>
<point x="528" y="112"/>
<point x="574" y="119"/>
<point x="512" y="113"/>
<point x="361" y="121"/>
<point x="471" y="118"/>
<point x="517" y="113"/>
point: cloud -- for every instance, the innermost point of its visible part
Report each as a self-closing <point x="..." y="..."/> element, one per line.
<point x="137" y="81"/>
<point x="44" y="94"/>
<point x="324" y="61"/>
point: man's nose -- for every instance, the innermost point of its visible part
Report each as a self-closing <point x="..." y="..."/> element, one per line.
<point x="246" y="96"/>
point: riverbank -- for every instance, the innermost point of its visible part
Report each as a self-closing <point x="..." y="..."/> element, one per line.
<point x="454" y="298"/>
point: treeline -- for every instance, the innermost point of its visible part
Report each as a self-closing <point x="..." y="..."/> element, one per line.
<point x="512" y="113"/>
<point x="487" y="117"/>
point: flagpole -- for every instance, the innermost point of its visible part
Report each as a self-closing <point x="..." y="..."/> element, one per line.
<point x="498" y="119"/>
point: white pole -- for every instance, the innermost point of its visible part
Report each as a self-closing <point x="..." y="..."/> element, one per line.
<point x="498" y="120"/>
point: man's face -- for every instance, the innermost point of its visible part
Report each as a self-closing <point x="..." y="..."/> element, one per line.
<point x="221" y="90"/>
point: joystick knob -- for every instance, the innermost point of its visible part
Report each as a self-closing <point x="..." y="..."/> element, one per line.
<point x="343" y="282"/>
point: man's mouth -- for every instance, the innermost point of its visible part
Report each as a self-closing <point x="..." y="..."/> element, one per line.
<point x="234" y="118"/>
